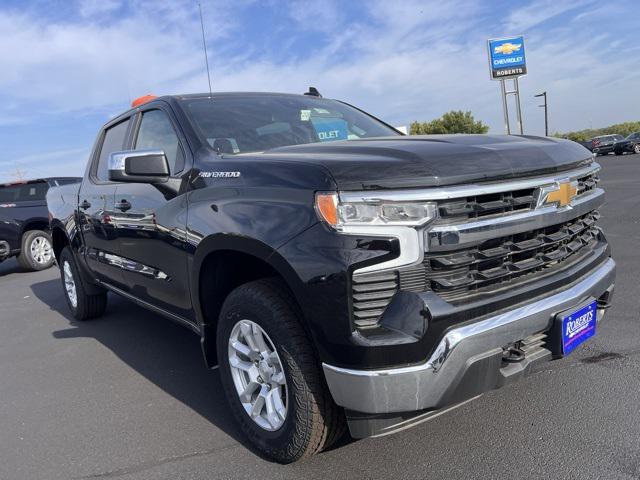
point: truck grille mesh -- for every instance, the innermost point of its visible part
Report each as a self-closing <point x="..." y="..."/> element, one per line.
<point x="457" y="275"/>
<point x="491" y="265"/>
<point x="502" y="261"/>
<point x="498" y="204"/>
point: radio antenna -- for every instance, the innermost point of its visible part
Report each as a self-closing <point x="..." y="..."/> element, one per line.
<point x="204" y="44"/>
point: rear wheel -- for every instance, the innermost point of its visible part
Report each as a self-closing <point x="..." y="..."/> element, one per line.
<point x="82" y="305"/>
<point x="36" y="252"/>
<point x="271" y="375"/>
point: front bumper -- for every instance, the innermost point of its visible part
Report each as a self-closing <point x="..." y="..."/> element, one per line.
<point x="468" y="359"/>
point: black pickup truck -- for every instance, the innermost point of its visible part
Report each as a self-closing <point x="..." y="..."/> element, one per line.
<point x="24" y="221"/>
<point x="337" y="272"/>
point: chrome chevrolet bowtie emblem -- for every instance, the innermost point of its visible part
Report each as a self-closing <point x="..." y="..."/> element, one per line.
<point x="560" y="194"/>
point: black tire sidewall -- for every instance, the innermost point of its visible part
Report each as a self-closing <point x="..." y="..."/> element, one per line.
<point x="273" y="443"/>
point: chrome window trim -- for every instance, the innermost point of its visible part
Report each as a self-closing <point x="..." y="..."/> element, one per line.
<point x="446" y="193"/>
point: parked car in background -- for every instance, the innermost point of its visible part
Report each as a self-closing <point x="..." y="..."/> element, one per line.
<point x="630" y="144"/>
<point x="24" y="222"/>
<point x="588" y="144"/>
<point x="603" y="145"/>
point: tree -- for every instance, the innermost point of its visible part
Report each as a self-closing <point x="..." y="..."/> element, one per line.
<point x="625" y="129"/>
<point x="455" y="121"/>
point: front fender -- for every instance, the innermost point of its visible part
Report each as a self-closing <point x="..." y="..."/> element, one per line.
<point x="240" y="244"/>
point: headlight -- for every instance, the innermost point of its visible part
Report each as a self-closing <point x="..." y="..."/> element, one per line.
<point x="343" y="214"/>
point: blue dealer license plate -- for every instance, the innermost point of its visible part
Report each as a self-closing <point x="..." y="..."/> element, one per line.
<point x="577" y="327"/>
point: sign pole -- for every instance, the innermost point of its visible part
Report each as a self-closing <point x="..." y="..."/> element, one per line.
<point x="505" y="107"/>
<point x="518" y="108"/>
<point x="507" y="61"/>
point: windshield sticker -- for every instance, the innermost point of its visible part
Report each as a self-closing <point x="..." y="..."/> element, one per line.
<point x="305" y="115"/>
<point x="321" y="111"/>
<point x="330" y="130"/>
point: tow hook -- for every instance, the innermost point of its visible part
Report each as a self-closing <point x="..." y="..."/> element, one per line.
<point x="512" y="354"/>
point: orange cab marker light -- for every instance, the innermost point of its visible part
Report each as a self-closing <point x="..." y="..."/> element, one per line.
<point x="327" y="205"/>
<point x="142" y="100"/>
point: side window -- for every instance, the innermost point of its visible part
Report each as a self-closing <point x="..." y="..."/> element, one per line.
<point x="156" y="132"/>
<point x="113" y="141"/>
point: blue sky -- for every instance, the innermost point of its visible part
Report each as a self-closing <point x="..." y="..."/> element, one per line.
<point x="68" y="66"/>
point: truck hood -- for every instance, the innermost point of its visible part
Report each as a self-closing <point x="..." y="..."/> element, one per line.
<point x="435" y="160"/>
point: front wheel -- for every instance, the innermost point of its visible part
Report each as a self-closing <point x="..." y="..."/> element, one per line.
<point x="36" y="252"/>
<point x="82" y="305"/>
<point x="636" y="148"/>
<point x="271" y="376"/>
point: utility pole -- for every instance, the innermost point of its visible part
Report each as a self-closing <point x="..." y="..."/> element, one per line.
<point x="546" y="115"/>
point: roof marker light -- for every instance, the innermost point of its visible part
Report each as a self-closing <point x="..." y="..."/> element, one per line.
<point x="142" y="100"/>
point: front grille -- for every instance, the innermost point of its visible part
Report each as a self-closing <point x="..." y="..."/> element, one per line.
<point x="503" y="203"/>
<point x="461" y="274"/>
<point x="503" y="261"/>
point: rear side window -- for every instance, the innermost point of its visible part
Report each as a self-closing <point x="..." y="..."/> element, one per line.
<point x="156" y="132"/>
<point x="24" y="192"/>
<point x="114" y="139"/>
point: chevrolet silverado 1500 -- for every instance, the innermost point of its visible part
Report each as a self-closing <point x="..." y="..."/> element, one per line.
<point x="337" y="272"/>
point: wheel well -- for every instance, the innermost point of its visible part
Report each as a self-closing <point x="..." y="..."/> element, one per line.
<point x="60" y="240"/>
<point x="35" y="225"/>
<point x="221" y="272"/>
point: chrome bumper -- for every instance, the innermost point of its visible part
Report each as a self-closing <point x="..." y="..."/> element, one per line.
<point x="433" y="384"/>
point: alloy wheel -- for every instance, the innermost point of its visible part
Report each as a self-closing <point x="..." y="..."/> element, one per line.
<point x="41" y="250"/>
<point x="70" y="284"/>
<point x="257" y="373"/>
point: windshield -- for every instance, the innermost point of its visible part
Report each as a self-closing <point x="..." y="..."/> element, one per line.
<point x="255" y="123"/>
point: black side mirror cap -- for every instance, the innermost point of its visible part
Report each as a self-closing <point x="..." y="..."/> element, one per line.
<point x="139" y="166"/>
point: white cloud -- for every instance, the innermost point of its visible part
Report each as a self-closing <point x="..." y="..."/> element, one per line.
<point x="538" y="12"/>
<point x="89" y="8"/>
<point x="48" y="164"/>
<point x="401" y="61"/>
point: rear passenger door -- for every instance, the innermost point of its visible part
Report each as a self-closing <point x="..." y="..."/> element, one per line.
<point x="96" y="207"/>
<point x="152" y="220"/>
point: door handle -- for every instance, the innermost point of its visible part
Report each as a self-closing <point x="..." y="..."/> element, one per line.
<point x="85" y="205"/>
<point x="123" y="205"/>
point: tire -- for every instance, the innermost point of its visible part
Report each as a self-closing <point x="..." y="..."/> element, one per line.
<point x="82" y="305"/>
<point x="36" y="252"/>
<point x="636" y="148"/>
<point x="311" y="421"/>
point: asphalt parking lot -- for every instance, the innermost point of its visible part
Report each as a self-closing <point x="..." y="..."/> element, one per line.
<point x="128" y="396"/>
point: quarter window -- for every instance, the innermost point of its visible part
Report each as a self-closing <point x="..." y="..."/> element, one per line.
<point x="156" y="132"/>
<point x="113" y="141"/>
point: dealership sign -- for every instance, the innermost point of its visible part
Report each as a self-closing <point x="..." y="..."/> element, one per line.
<point x="506" y="57"/>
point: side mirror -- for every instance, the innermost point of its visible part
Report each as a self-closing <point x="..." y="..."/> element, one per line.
<point x="139" y="166"/>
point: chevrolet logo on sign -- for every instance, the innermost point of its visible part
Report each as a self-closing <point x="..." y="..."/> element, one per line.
<point x="508" y="48"/>
<point x="559" y="194"/>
